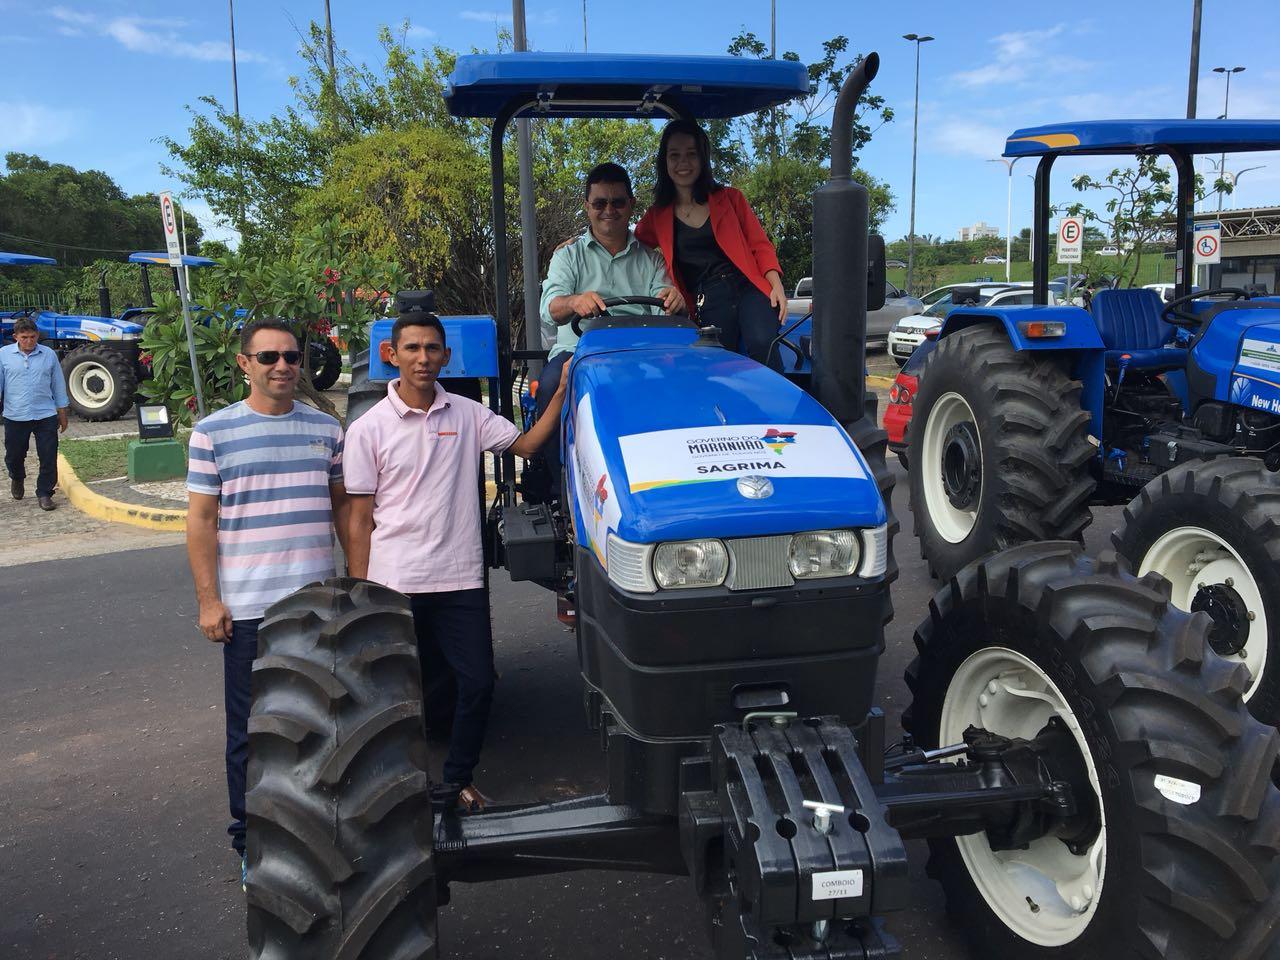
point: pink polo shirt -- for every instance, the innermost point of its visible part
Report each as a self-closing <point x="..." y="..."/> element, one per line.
<point x="422" y="468"/>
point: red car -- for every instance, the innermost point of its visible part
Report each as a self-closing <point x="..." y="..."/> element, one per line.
<point x="897" y="415"/>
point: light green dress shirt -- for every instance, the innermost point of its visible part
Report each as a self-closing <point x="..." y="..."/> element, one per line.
<point x="585" y="264"/>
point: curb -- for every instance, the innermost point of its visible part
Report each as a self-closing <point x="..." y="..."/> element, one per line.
<point x="885" y="382"/>
<point x="104" y="508"/>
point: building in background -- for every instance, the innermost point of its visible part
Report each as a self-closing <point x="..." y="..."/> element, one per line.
<point x="1250" y="248"/>
<point x="978" y="231"/>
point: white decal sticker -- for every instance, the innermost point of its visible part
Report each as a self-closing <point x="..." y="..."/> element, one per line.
<point x="837" y="884"/>
<point x="1261" y="355"/>
<point x="1179" y="791"/>
<point x="701" y="454"/>
<point x="597" y="502"/>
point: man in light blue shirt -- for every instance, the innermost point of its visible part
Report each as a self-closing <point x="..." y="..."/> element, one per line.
<point x="34" y="395"/>
<point x="606" y="261"/>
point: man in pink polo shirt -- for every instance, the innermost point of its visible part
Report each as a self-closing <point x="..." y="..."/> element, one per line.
<point x="411" y="467"/>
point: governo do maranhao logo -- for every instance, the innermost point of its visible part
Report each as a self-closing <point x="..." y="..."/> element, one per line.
<point x="717" y="446"/>
<point x="778" y="440"/>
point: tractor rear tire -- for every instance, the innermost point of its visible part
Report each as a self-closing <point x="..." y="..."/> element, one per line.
<point x="1184" y="865"/>
<point x="101" y="382"/>
<point x="1213" y="530"/>
<point x="873" y="443"/>
<point x="1000" y="450"/>
<point x="325" y="373"/>
<point x="340" y="860"/>
<point x="361" y="394"/>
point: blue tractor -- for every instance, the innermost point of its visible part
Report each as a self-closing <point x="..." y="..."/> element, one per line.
<point x="1080" y="761"/>
<point x="1026" y="417"/>
<point x="99" y="355"/>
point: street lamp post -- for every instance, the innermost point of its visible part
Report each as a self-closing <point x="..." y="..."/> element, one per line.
<point x="1226" y="102"/>
<point x="915" y="135"/>
<point x="1008" y="215"/>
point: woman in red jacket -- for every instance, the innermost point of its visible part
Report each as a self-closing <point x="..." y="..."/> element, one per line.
<point x="716" y="250"/>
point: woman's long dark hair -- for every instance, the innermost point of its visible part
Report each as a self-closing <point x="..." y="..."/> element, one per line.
<point x="664" y="191"/>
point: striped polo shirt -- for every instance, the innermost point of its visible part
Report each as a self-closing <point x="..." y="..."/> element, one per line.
<point x="275" y="522"/>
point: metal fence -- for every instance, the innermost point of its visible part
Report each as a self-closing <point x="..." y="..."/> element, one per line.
<point x="38" y="300"/>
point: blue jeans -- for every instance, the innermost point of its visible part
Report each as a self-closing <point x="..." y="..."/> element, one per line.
<point x="17" y="441"/>
<point x="742" y="314"/>
<point x="454" y="624"/>
<point x="238" y="655"/>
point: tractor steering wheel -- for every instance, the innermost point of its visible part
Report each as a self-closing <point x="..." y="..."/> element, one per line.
<point x="613" y="321"/>
<point x="1173" y="313"/>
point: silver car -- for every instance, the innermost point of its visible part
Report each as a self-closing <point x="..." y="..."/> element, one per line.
<point x="879" y="322"/>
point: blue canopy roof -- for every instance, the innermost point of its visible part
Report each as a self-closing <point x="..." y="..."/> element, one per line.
<point x="1144" y="136"/>
<point x="23" y="260"/>
<point x="163" y="258"/>
<point x="621" y="85"/>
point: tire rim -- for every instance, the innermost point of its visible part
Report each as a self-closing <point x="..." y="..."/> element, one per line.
<point x="1045" y="894"/>
<point x="950" y="417"/>
<point x="1193" y="559"/>
<point x="91" y="385"/>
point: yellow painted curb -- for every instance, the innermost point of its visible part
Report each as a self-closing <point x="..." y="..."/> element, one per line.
<point x="104" y="508"/>
<point x="880" y="381"/>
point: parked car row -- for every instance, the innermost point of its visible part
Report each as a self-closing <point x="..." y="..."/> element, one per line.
<point x="911" y="331"/>
<point x="897" y="305"/>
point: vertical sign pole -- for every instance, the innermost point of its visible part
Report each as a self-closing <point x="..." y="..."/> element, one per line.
<point x="191" y="343"/>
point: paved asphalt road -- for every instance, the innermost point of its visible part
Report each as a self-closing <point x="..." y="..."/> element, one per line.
<point x="112" y="799"/>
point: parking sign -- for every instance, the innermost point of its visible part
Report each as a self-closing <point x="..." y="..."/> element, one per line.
<point x="1070" y="239"/>
<point x="170" y="220"/>
<point x="1208" y="241"/>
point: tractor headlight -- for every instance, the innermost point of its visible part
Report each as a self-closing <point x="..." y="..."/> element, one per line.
<point x="823" y="553"/>
<point x="690" y="563"/>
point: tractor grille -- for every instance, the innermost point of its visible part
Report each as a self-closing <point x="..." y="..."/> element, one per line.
<point x="756" y="563"/>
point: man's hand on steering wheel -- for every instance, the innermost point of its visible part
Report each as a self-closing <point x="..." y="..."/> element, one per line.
<point x="672" y="302"/>
<point x="589" y="304"/>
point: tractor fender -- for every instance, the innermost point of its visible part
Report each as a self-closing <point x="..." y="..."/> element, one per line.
<point x="1081" y="338"/>
<point x="472" y="343"/>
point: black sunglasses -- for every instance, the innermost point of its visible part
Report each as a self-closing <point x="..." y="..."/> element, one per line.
<point x="268" y="358"/>
<point x="618" y="203"/>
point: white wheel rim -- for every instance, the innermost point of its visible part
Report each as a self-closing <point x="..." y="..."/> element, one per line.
<point x="1045" y="894"/>
<point x="83" y="385"/>
<point x="952" y="523"/>
<point x="1190" y="556"/>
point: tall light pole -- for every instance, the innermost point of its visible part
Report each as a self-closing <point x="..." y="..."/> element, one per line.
<point x="235" y="98"/>
<point x="1226" y="103"/>
<point x="915" y="136"/>
<point x="1008" y="215"/>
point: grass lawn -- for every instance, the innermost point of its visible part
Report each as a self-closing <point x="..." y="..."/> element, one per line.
<point x="1154" y="269"/>
<point x="101" y="459"/>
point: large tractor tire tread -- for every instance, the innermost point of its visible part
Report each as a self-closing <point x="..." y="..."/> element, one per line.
<point x="340" y="863"/>
<point x="1036" y="481"/>
<point x="123" y="375"/>
<point x="1237" y="499"/>
<point x="1183" y="881"/>
<point x="326" y="375"/>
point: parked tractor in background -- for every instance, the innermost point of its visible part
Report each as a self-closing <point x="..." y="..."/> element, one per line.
<point x="1026" y="417"/>
<point x="1080" y="761"/>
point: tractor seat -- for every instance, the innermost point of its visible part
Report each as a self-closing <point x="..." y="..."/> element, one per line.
<point x="1129" y="321"/>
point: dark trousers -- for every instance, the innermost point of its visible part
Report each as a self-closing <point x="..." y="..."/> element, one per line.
<point x="454" y="624"/>
<point x="17" y="441"/>
<point x="743" y="315"/>
<point x="551" y="450"/>
<point x="238" y="655"/>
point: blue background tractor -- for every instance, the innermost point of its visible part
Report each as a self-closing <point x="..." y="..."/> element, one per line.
<point x="1080" y="761"/>
<point x="1025" y="417"/>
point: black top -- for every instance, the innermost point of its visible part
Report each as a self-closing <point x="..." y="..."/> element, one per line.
<point x="697" y="253"/>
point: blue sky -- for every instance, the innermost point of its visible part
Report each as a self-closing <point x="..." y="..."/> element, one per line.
<point x="94" y="83"/>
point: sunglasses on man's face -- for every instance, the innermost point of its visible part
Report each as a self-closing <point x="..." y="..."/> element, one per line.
<point x="269" y="358"/>
<point x="618" y="203"/>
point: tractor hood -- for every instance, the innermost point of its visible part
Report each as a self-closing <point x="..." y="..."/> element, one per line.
<point x="1251" y="338"/>
<point x="670" y="440"/>
<point x="61" y="326"/>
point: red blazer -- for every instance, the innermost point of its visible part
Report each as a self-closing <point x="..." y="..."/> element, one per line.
<point x="734" y="225"/>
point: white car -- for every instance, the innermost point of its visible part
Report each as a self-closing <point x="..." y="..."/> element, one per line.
<point x="1110" y="250"/>
<point x="993" y="259"/>
<point x="913" y="331"/>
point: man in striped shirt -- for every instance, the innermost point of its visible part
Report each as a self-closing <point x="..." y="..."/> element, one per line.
<point x="265" y="490"/>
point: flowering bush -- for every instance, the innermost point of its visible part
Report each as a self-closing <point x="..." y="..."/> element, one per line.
<point x="164" y="343"/>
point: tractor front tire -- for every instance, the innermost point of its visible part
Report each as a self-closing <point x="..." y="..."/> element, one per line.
<point x="1182" y="861"/>
<point x="101" y="382"/>
<point x="1000" y="450"/>
<point x="339" y="851"/>
<point x="1212" y="529"/>
<point x="326" y="363"/>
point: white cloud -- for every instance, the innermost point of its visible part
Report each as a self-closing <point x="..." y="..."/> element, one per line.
<point x="150" y="35"/>
<point x="970" y="139"/>
<point x="419" y="33"/>
<point x="28" y="125"/>
<point x="1019" y="55"/>
<point x="484" y="16"/>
